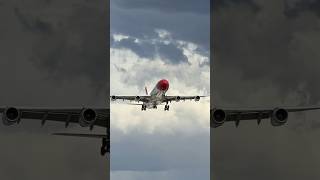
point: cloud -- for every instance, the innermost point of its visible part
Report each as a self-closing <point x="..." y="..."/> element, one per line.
<point x="162" y="46"/>
<point x="37" y="29"/>
<point x="266" y="57"/>
<point x="190" y="26"/>
<point x="63" y="42"/>
<point x="178" y="6"/>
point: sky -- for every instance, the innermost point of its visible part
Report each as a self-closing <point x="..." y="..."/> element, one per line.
<point x="266" y="55"/>
<point x="53" y="54"/>
<point x="151" y="40"/>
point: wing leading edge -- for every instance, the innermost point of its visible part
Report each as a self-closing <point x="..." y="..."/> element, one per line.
<point x="84" y="116"/>
<point x="278" y="116"/>
<point x="147" y="98"/>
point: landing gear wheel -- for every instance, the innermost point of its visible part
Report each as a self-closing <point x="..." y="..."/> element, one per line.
<point x="166" y="107"/>
<point x="144" y="107"/>
<point x="103" y="151"/>
<point x="105" y="147"/>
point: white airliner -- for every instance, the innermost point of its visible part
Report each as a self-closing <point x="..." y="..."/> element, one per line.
<point x="157" y="97"/>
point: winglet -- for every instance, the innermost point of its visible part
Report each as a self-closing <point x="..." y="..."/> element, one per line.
<point x="146" y="90"/>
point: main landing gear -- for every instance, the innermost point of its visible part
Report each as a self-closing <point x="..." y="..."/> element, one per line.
<point x="105" y="148"/>
<point x="144" y="107"/>
<point x="166" y="107"/>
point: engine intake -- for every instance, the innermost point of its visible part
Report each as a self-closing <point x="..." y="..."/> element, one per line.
<point x="138" y="98"/>
<point x="279" y="117"/>
<point x="178" y="98"/>
<point x="113" y="98"/>
<point x="87" y="117"/>
<point x="197" y="98"/>
<point x="11" y="116"/>
<point x="218" y="117"/>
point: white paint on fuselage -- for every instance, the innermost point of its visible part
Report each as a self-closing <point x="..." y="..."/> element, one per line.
<point x="156" y="98"/>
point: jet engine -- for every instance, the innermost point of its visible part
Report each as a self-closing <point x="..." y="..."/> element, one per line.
<point x="197" y="98"/>
<point x="11" y="116"/>
<point x="279" y="117"/>
<point x="178" y="98"/>
<point x="218" y="117"/>
<point x="87" y="117"/>
<point x="138" y="98"/>
<point x="113" y="98"/>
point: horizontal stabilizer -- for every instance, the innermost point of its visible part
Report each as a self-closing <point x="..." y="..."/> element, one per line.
<point x="82" y="135"/>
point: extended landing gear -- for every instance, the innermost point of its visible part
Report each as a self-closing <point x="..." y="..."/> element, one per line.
<point x="105" y="148"/>
<point x="144" y="107"/>
<point x="166" y="107"/>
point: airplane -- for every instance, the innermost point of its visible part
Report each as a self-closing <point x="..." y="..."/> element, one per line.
<point x="278" y="116"/>
<point x="156" y="97"/>
<point x="85" y="117"/>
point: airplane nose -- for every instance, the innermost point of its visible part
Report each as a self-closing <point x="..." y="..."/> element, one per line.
<point x="163" y="85"/>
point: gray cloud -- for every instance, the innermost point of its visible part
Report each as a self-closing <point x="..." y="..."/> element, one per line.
<point x="266" y="55"/>
<point x="65" y="41"/>
<point x="34" y="34"/>
<point x="167" y="6"/>
<point x="170" y="53"/>
<point x="141" y="22"/>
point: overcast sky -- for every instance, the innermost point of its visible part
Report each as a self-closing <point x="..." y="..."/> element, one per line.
<point x="266" y="53"/>
<point x="152" y="40"/>
<point x="53" y="54"/>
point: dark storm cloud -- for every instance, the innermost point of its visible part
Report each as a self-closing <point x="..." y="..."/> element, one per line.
<point x="294" y="8"/>
<point x="269" y="45"/>
<point x="31" y="34"/>
<point x="201" y="7"/>
<point x="146" y="49"/>
<point x="228" y="3"/>
<point x="171" y="53"/>
<point x="191" y="26"/>
<point x="65" y="42"/>
<point x="265" y="57"/>
<point x="36" y="25"/>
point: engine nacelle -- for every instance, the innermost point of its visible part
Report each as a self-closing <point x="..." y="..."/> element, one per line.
<point x="137" y="98"/>
<point x="87" y="117"/>
<point x="11" y="116"/>
<point x="279" y="117"/>
<point x="217" y="117"/>
<point x="178" y="98"/>
<point x="197" y="98"/>
<point x="113" y="98"/>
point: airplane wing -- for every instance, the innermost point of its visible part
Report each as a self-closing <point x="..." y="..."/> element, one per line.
<point x="98" y="136"/>
<point x="131" y="98"/>
<point x="86" y="117"/>
<point x="278" y="116"/>
<point x="179" y="98"/>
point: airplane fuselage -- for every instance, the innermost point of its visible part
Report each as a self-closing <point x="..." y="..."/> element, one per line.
<point x="157" y="94"/>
